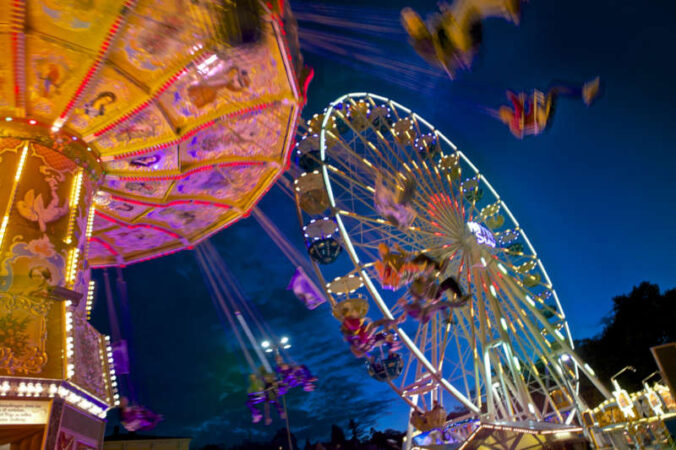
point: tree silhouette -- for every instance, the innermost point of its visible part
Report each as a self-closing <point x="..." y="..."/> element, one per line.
<point x="337" y="435"/>
<point x="639" y="320"/>
<point x="354" y="428"/>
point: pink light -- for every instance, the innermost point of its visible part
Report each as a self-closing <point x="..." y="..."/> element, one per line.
<point x="194" y="131"/>
<point x="106" y="245"/>
<point x="172" y="203"/>
<point x="190" y="172"/>
<point x="126" y="225"/>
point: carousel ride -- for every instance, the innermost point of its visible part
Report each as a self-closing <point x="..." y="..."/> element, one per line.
<point x="129" y="130"/>
<point x="401" y="227"/>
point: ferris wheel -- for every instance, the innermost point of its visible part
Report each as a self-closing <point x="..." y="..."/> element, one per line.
<point x="411" y="234"/>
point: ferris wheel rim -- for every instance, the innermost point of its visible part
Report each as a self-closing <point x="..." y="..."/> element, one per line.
<point x="522" y="232"/>
<point x="361" y="265"/>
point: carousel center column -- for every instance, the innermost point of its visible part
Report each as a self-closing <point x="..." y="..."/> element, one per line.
<point x="55" y="368"/>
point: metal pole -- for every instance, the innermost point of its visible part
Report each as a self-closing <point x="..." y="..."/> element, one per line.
<point x="286" y="415"/>
<point x="253" y="342"/>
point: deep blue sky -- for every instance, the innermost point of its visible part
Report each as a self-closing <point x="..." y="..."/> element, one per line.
<point x="595" y="195"/>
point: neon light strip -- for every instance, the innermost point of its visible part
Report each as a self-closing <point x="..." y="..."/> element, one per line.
<point x="90" y="222"/>
<point x="71" y="266"/>
<point x="172" y="203"/>
<point x="106" y="245"/>
<point x="90" y="297"/>
<point x="10" y="200"/>
<point x="184" y="175"/>
<point x="72" y="204"/>
<point x="18" y="43"/>
<point x="70" y="344"/>
<point x="111" y="371"/>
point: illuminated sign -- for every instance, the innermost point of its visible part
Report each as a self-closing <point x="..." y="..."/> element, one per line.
<point x="18" y="412"/>
<point x="483" y="236"/>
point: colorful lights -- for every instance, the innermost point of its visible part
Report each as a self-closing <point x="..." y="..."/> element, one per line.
<point x="71" y="266"/>
<point x="10" y="201"/>
<point x="111" y="371"/>
<point x="22" y="162"/>
<point x="45" y="388"/>
<point x="90" y="222"/>
<point x="90" y="297"/>
<point x="72" y="204"/>
<point x="70" y="344"/>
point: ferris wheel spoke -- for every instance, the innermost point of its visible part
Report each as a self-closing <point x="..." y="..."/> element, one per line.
<point x="528" y="352"/>
<point x="543" y="349"/>
<point x="471" y="350"/>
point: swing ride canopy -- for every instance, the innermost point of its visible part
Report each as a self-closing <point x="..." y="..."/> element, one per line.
<point x="181" y="112"/>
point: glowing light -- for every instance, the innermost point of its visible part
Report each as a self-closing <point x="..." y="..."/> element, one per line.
<point x="284" y="340"/>
<point x="90" y="297"/>
<point x="10" y="202"/>
<point x="492" y="289"/>
<point x="482" y="234"/>
<point x="72" y="204"/>
<point x="503" y="322"/>
<point x="565" y="357"/>
<point x="58" y="123"/>
<point x="22" y="162"/>
<point x="71" y="270"/>
<point x="265" y="344"/>
<point x="589" y="369"/>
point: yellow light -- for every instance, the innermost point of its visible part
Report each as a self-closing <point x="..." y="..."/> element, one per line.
<point x="10" y="201"/>
<point x="90" y="228"/>
<point x="72" y="204"/>
<point x="71" y="270"/>
<point x="90" y="297"/>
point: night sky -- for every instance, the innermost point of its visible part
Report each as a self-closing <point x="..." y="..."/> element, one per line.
<point x="595" y="195"/>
